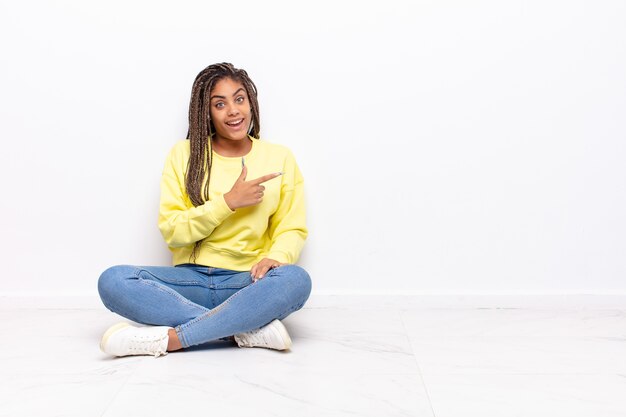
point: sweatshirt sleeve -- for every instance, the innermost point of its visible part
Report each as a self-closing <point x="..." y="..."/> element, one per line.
<point x="287" y="226"/>
<point x="181" y="223"/>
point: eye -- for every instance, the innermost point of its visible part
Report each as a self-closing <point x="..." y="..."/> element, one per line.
<point x="219" y="104"/>
<point x="240" y="99"/>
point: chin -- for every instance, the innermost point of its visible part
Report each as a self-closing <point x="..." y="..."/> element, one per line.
<point x="233" y="137"/>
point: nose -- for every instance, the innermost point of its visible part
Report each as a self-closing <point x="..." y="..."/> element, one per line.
<point x="233" y="110"/>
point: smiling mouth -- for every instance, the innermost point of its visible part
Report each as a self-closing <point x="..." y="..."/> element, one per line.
<point x="235" y="123"/>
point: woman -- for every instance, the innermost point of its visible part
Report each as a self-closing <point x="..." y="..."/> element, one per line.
<point x="232" y="213"/>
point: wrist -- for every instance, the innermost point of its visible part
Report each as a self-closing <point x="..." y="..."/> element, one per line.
<point x="228" y="200"/>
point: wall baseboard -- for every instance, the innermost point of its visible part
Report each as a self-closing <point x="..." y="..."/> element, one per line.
<point x="363" y="300"/>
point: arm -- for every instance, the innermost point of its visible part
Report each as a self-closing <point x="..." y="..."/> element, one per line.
<point x="181" y="223"/>
<point x="287" y="226"/>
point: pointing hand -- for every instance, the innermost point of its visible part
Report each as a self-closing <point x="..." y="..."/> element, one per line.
<point x="247" y="193"/>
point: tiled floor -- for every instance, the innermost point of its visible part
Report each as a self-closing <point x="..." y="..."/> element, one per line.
<point x="394" y="360"/>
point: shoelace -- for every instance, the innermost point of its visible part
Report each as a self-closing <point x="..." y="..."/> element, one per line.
<point x="147" y="345"/>
<point x="254" y="337"/>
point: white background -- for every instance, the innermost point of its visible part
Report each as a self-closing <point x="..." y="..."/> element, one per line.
<point x="447" y="146"/>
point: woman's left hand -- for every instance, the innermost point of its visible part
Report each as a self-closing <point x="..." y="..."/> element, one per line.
<point x="259" y="270"/>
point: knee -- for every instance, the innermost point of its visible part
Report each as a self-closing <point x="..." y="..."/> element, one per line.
<point x="296" y="284"/>
<point x="111" y="282"/>
<point x="297" y="280"/>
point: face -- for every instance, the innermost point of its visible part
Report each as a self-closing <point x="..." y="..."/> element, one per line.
<point x="230" y="110"/>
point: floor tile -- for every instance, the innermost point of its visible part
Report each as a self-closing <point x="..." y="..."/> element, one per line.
<point x="516" y="323"/>
<point x="163" y="388"/>
<point x="527" y="395"/>
<point x="517" y="342"/>
<point x="347" y="359"/>
<point x="55" y="368"/>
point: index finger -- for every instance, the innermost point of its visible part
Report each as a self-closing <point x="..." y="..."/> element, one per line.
<point x="264" y="178"/>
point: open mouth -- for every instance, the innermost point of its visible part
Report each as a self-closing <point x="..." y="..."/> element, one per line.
<point x="235" y="123"/>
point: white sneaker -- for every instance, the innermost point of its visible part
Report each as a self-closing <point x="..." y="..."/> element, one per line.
<point x="271" y="336"/>
<point x="123" y="339"/>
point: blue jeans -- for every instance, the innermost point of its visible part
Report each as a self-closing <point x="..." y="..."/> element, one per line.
<point x="203" y="303"/>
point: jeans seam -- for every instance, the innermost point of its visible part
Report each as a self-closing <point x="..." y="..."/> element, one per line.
<point x="140" y="270"/>
<point x="211" y="312"/>
<point x="166" y="290"/>
<point x="181" y="337"/>
<point x="169" y="292"/>
<point x="292" y="309"/>
<point x="180" y="329"/>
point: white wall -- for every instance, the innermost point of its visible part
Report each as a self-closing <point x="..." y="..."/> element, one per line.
<point x="448" y="146"/>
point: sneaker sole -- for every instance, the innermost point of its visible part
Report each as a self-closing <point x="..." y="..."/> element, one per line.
<point x="282" y="332"/>
<point x="109" y="333"/>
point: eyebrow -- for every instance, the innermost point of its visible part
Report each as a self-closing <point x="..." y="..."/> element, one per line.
<point x="234" y="94"/>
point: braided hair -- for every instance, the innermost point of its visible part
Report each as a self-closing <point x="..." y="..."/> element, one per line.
<point x="201" y="128"/>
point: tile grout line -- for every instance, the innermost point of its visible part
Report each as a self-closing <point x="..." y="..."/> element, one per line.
<point x="132" y="373"/>
<point x="419" y="369"/>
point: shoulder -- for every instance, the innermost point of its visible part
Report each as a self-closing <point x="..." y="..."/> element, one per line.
<point x="273" y="150"/>
<point x="178" y="157"/>
<point x="179" y="152"/>
<point x="181" y="147"/>
<point x="281" y="155"/>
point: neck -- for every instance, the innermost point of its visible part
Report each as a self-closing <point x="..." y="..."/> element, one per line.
<point x="228" y="147"/>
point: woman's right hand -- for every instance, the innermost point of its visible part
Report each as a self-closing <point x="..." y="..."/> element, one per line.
<point x="247" y="193"/>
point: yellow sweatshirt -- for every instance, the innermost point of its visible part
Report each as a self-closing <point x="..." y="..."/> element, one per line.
<point x="236" y="240"/>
